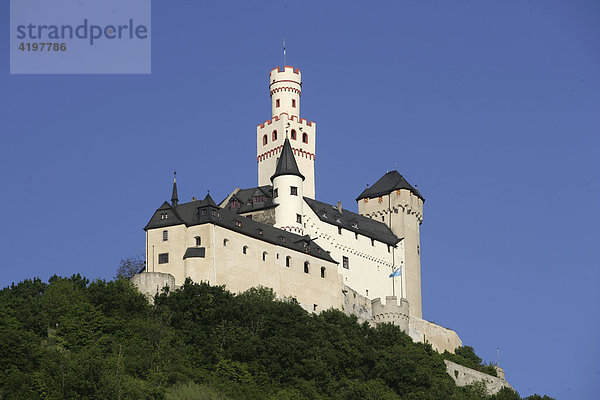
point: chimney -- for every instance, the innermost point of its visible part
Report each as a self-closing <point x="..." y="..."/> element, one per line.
<point x="339" y="206"/>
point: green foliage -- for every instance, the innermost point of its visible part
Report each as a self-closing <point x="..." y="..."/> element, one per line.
<point x="75" y="339"/>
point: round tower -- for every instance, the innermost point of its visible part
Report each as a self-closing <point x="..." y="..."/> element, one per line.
<point x="285" y="85"/>
<point x="288" y="192"/>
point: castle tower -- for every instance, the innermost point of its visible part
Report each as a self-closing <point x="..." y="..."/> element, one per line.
<point x="287" y="192"/>
<point x="285" y="86"/>
<point x="395" y="202"/>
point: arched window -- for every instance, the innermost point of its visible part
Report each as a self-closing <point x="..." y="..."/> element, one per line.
<point x="288" y="261"/>
<point x="264" y="256"/>
<point x="245" y="249"/>
<point x="274" y="136"/>
<point x="322" y="272"/>
<point x="198" y="240"/>
<point x="265" y="140"/>
<point x="225" y="242"/>
<point x="306" y="267"/>
<point x="294" y="134"/>
<point x="305" y="138"/>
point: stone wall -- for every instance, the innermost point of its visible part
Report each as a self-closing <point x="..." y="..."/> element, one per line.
<point x="464" y="376"/>
<point x="440" y="338"/>
<point x="151" y="283"/>
<point x="356" y="304"/>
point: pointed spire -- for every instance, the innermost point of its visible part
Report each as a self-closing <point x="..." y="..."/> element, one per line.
<point x="287" y="162"/>
<point x="174" y="199"/>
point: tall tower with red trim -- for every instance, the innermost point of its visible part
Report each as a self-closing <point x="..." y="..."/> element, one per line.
<point x="285" y="87"/>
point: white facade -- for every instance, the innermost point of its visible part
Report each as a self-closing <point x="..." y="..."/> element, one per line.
<point x="287" y="194"/>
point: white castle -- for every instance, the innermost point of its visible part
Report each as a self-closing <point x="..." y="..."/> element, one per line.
<point x="278" y="235"/>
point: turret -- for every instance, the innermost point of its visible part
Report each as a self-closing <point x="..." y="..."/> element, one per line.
<point x="288" y="192"/>
<point x="395" y="202"/>
<point x="285" y="86"/>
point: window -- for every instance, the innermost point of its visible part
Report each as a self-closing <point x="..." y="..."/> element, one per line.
<point x="388" y="248"/>
<point x="282" y="239"/>
<point x="164" y="216"/>
<point x="274" y="136"/>
<point x="372" y="242"/>
<point x="418" y="250"/>
<point x="163" y="258"/>
<point x="198" y="240"/>
<point x="314" y="307"/>
<point x="355" y="235"/>
<point x="299" y="218"/>
<point x="383" y="219"/>
<point x="238" y="224"/>
<point x="345" y="262"/>
<point x="288" y="261"/>
<point x="275" y="193"/>
<point x="306" y="267"/>
<point x="225" y="242"/>
<point x="249" y="216"/>
<point x="339" y="230"/>
<point x="305" y="137"/>
<point x="294" y="134"/>
<point x="203" y="212"/>
<point x="260" y="232"/>
<point x="294" y="103"/>
<point x="367" y="292"/>
<point x="265" y="140"/>
<point x="259" y="199"/>
<point x="165" y="236"/>
<point x="277" y="103"/>
<point x="264" y="256"/>
<point x="214" y="213"/>
<point x="293" y="190"/>
<point x="245" y="249"/>
<point x="355" y="225"/>
<point x="322" y="272"/>
<point x="234" y="204"/>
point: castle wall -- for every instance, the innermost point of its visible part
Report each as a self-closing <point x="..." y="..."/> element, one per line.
<point x="369" y="265"/>
<point x="464" y="376"/>
<point x="152" y="283"/>
<point x="225" y="263"/>
<point x="402" y="211"/>
<point x="440" y="338"/>
<point x="355" y="304"/>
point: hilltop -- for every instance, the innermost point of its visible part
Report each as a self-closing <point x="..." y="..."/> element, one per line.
<point x="75" y="339"/>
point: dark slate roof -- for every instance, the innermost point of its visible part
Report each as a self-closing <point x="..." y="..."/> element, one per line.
<point x="287" y="162"/>
<point x="387" y="184"/>
<point x="246" y="199"/>
<point x="174" y="198"/>
<point x="194" y="252"/>
<point x="202" y="212"/>
<point x="353" y="222"/>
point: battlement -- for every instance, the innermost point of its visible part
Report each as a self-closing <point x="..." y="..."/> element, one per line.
<point x="394" y="311"/>
<point x="287" y="68"/>
<point x="276" y="118"/>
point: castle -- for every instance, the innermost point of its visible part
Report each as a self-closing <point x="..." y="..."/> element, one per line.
<point x="279" y="236"/>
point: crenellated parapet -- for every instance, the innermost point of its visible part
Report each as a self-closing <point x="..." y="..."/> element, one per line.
<point x="395" y="311"/>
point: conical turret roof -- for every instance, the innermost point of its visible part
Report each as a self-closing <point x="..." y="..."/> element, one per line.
<point x="287" y="162"/>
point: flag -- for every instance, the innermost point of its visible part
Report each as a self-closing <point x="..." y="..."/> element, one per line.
<point x="397" y="272"/>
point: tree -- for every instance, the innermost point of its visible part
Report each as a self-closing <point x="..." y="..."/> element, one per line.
<point x="130" y="266"/>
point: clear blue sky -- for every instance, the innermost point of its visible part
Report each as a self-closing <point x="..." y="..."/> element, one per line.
<point x="491" y="108"/>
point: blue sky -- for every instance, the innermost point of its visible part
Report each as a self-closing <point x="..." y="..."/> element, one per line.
<point x="491" y="108"/>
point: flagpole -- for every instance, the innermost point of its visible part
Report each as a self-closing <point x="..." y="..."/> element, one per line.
<point x="284" y="52"/>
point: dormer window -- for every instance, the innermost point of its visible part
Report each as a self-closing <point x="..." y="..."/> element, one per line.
<point x="259" y="199"/>
<point x="260" y="232"/>
<point x="214" y="213"/>
<point x="282" y="239"/>
<point x="355" y="224"/>
<point x="203" y="212"/>
<point x="238" y="224"/>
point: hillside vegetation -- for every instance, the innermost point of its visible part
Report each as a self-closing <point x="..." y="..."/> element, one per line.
<point x="75" y="339"/>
